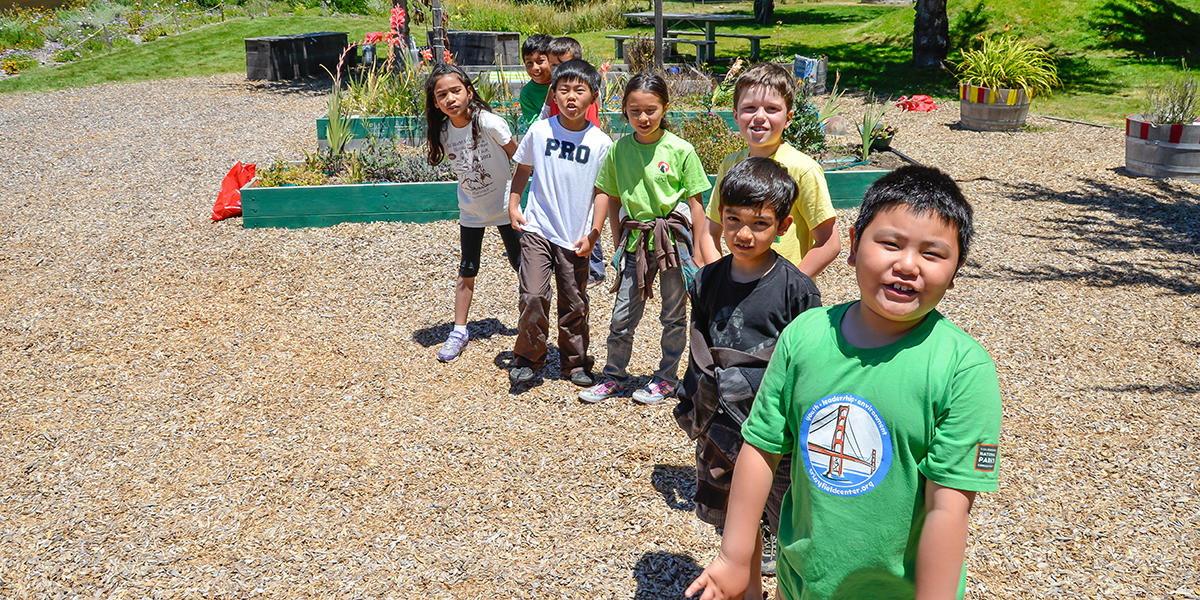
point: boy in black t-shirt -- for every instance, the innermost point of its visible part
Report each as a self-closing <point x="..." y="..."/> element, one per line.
<point x="740" y="305"/>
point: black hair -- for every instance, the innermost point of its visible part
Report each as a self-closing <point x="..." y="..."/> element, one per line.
<point x="647" y="81"/>
<point x="576" y="69"/>
<point x="759" y="181"/>
<point x="563" y="45"/>
<point x="922" y="190"/>
<point x="538" y="42"/>
<point x="435" y="119"/>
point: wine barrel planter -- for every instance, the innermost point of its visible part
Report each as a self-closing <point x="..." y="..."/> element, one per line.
<point x="1168" y="150"/>
<point x="985" y="109"/>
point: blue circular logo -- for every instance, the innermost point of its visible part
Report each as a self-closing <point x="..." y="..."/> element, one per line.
<point x="846" y="446"/>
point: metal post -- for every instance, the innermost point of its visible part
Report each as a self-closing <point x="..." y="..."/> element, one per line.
<point x="438" y="44"/>
<point x="659" y="30"/>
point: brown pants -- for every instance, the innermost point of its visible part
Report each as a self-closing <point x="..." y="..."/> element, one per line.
<point x="714" y="476"/>
<point x="541" y="259"/>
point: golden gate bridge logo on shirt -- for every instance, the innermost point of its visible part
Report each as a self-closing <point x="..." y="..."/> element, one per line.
<point x="846" y="446"/>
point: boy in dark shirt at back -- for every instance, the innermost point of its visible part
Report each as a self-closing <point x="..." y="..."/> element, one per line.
<point x="740" y="305"/>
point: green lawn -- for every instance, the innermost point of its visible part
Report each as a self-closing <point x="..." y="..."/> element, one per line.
<point x="1109" y="51"/>
<point x="216" y="48"/>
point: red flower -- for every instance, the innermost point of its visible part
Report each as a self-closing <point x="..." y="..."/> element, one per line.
<point x="393" y="39"/>
<point x="447" y="56"/>
<point x="605" y="67"/>
<point x="426" y="55"/>
<point x="374" y="37"/>
<point x="398" y="17"/>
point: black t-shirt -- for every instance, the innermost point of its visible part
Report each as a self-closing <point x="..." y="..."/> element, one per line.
<point x="749" y="316"/>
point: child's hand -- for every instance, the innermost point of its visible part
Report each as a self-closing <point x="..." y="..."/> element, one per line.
<point x="721" y="580"/>
<point x="516" y="219"/>
<point x="585" y="244"/>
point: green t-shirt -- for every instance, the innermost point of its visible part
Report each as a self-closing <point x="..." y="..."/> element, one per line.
<point x="533" y="97"/>
<point x="866" y="428"/>
<point x="650" y="179"/>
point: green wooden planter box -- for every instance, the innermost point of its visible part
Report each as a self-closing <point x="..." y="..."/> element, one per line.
<point x="322" y="206"/>
<point x="411" y="130"/>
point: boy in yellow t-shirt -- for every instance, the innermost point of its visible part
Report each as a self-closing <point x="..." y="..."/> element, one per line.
<point x="762" y="100"/>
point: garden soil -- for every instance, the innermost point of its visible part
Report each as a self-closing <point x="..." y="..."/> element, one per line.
<point x="191" y="409"/>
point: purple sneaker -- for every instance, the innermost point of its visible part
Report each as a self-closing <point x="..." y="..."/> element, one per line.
<point x="600" y="391"/>
<point x="654" y="393"/>
<point x="453" y="347"/>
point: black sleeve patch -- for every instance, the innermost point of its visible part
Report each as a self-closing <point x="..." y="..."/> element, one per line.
<point x="985" y="457"/>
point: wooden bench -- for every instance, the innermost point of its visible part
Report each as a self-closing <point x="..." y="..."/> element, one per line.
<point x="755" y="39"/>
<point x="619" y="40"/>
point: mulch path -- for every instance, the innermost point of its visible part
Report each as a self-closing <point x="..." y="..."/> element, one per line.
<point x="191" y="409"/>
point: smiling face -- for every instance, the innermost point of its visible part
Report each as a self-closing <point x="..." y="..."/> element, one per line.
<point x="452" y="96"/>
<point x="645" y="112"/>
<point x="538" y="66"/>
<point x="573" y="97"/>
<point x="749" y="232"/>
<point x="762" y="116"/>
<point x="904" y="263"/>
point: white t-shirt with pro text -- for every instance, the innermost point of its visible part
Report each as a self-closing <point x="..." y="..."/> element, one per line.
<point x="564" y="164"/>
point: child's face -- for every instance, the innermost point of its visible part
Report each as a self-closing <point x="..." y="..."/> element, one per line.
<point x="537" y="65"/>
<point x="452" y="97"/>
<point x="762" y="115"/>
<point x="645" y="112"/>
<point x="749" y="231"/>
<point x="904" y="262"/>
<point x="557" y="59"/>
<point x="573" y="97"/>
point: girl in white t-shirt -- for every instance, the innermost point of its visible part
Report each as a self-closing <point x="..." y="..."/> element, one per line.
<point x="479" y="145"/>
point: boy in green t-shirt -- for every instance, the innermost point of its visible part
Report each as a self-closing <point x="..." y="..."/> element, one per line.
<point x="535" y="52"/>
<point x="891" y="415"/>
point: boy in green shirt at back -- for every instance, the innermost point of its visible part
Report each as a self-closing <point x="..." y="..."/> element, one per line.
<point x="890" y="412"/>
<point x="535" y="53"/>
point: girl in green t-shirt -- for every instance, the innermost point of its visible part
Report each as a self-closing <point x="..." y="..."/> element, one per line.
<point x="652" y="173"/>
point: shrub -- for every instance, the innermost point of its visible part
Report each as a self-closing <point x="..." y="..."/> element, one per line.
<point x="806" y="133"/>
<point x="1175" y="101"/>
<point x="1005" y="62"/>
<point x="712" y="138"/>
<point x="18" y="33"/>
<point x="382" y="160"/>
<point x="536" y="17"/>
<point x="281" y="173"/>
<point x="17" y="62"/>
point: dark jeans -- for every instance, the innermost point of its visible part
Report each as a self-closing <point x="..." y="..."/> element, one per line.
<point x="596" y="264"/>
<point x="541" y="260"/>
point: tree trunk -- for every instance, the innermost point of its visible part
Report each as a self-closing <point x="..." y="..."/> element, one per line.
<point x="931" y="33"/>
<point x="764" y="12"/>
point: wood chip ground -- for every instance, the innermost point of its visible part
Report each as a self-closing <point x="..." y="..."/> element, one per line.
<point x="191" y="409"/>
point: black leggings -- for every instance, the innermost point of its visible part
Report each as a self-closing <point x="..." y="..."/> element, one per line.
<point x="470" y="240"/>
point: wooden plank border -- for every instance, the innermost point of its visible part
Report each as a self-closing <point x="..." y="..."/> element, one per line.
<point x="322" y="206"/>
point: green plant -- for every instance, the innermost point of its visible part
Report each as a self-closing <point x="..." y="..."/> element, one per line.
<point x="1175" y="101"/>
<point x="1005" y="62"/>
<point x="281" y="173"/>
<point x="338" y="130"/>
<point x="639" y="53"/>
<point x="872" y="119"/>
<point x="711" y="137"/>
<point x="806" y="132"/>
<point x="18" y="33"/>
<point x="17" y="62"/>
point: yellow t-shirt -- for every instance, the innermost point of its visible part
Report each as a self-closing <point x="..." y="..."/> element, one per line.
<point x="812" y="206"/>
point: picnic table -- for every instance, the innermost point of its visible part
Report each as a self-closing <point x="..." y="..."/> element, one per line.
<point x="707" y="22"/>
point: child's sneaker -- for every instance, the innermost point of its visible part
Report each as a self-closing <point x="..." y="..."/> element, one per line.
<point x="654" y="392"/>
<point x="600" y="391"/>
<point x="453" y="347"/>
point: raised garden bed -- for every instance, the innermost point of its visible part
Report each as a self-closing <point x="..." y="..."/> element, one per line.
<point x="325" y="205"/>
<point x="411" y="130"/>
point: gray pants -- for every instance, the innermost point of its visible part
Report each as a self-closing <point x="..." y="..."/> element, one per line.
<point x="627" y="313"/>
